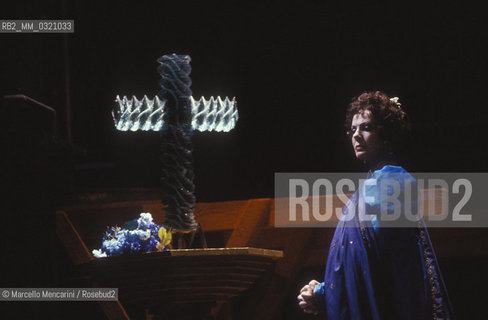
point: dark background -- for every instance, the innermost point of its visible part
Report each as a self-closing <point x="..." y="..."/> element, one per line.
<point x="292" y="67"/>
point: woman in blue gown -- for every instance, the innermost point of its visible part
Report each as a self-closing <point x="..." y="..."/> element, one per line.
<point x="376" y="271"/>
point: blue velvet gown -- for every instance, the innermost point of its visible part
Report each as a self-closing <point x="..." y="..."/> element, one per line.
<point x="378" y="272"/>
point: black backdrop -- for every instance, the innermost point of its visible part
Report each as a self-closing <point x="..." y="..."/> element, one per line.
<point x="293" y="68"/>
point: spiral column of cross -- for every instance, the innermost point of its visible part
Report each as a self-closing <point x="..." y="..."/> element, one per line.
<point x="176" y="162"/>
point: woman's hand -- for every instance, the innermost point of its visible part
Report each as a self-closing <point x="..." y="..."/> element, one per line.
<point x="306" y="301"/>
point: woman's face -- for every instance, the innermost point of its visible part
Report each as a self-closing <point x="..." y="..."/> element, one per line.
<point x="365" y="139"/>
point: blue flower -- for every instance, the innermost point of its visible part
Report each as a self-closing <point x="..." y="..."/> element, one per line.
<point x="138" y="235"/>
<point x="145" y="221"/>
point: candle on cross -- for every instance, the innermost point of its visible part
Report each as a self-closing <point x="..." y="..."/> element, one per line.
<point x="175" y="114"/>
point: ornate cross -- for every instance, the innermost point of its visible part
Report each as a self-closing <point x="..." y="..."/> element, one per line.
<point x="175" y="114"/>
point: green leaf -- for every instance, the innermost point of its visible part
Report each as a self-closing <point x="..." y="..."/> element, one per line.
<point x="131" y="225"/>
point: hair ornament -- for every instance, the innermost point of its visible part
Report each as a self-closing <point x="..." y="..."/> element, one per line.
<point x="395" y="101"/>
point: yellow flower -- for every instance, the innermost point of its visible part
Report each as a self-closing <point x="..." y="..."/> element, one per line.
<point x="165" y="237"/>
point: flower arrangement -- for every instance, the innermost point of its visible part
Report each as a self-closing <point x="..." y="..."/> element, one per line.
<point x="138" y="235"/>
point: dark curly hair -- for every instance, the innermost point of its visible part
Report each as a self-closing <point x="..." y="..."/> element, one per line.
<point x="390" y="118"/>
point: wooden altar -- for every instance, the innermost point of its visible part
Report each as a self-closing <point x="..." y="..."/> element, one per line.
<point x="180" y="283"/>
